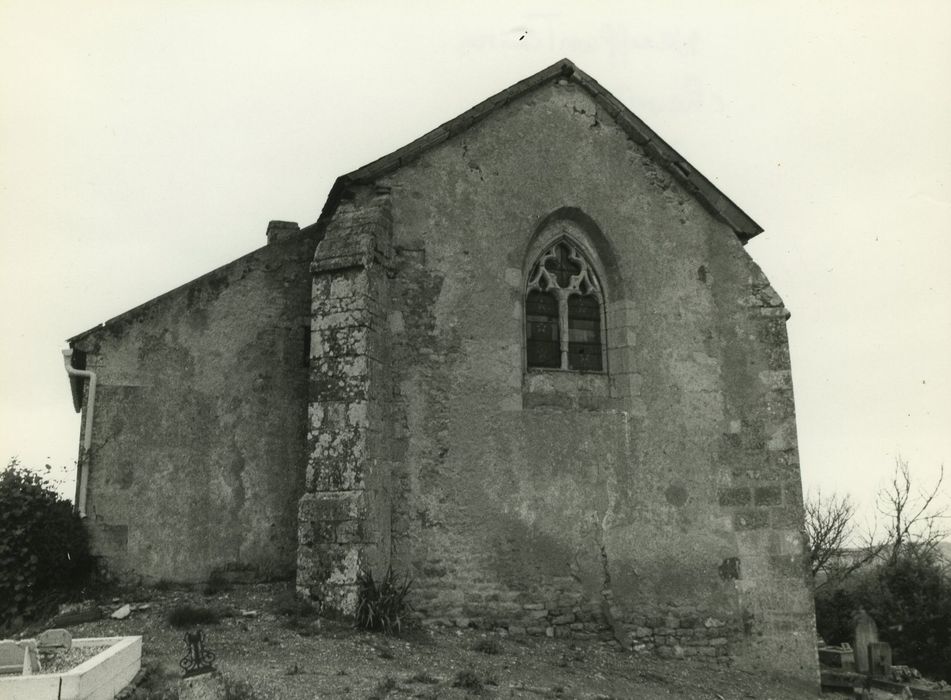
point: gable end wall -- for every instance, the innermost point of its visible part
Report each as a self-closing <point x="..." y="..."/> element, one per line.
<point x="658" y="504"/>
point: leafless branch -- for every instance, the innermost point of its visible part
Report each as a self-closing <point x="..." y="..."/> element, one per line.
<point x="913" y="521"/>
<point x="830" y="527"/>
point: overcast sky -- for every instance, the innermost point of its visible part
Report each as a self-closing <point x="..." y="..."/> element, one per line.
<point x="145" y="143"/>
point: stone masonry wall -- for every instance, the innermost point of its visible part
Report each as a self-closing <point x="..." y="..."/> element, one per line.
<point x="344" y="514"/>
<point x="664" y="489"/>
<point x="198" y="438"/>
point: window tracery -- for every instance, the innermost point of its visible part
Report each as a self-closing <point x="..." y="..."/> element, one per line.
<point x="563" y="311"/>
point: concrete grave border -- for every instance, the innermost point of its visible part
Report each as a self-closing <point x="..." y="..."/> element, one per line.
<point x="98" y="678"/>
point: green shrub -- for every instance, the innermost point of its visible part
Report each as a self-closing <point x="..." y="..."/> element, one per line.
<point x="188" y="616"/>
<point x="910" y="601"/>
<point x="44" y="547"/>
<point x="381" y="605"/>
<point x="914" y="606"/>
<point x="835" y="609"/>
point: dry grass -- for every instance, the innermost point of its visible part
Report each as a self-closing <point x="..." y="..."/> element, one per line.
<point x="278" y="663"/>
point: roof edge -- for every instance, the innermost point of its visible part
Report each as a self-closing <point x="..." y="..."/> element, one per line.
<point x="715" y="201"/>
<point x="308" y="231"/>
<point x="156" y="299"/>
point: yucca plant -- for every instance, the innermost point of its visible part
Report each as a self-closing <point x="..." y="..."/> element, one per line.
<point x="381" y="605"/>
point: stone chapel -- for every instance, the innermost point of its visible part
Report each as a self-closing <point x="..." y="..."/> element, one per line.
<point x="524" y="361"/>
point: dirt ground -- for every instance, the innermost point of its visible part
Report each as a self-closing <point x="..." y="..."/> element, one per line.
<point x="284" y="657"/>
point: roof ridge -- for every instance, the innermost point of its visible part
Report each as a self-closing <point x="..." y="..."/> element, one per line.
<point x="715" y="201"/>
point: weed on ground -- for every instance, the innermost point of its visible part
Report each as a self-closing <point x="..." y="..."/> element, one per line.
<point x="188" y="616"/>
<point x="423" y="677"/>
<point x="468" y="680"/>
<point x="488" y="646"/>
<point x="382" y="689"/>
<point x="275" y="661"/>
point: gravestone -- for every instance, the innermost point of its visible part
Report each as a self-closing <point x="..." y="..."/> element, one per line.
<point x="880" y="659"/>
<point x="54" y="640"/>
<point x="841" y="657"/>
<point x="866" y="633"/>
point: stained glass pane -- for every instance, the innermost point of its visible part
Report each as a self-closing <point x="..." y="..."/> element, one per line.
<point x="541" y="310"/>
<point x="584" y="333"/>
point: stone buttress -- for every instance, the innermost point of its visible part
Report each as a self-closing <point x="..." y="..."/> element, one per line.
<point x="344" y="513"/>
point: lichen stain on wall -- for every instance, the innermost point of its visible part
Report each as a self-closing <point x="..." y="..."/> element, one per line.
<point x="199" y="386"/>
<point x="516" y="491"/>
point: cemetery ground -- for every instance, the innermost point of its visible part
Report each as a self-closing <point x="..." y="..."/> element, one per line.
<point x="281" y="652"/>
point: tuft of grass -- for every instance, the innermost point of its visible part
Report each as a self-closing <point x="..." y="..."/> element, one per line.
<point x="305" y="627"/>
<point x="287" y="603"/>
<point x="423" y="677"/>
<point x="488" y="646"/>
<point x="239" y="690"/>
<point x="217" y="583"/>
<point x="158" y="683"/>
<point x="381" y="605"/>
<point x="382" y="689"/>
<point x="299" y="615"/>
<point x="188" y="616"/>
<point x="468" y="680"/>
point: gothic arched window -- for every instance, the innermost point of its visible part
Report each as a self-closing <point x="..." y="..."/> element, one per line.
<point x="563" y="311"/>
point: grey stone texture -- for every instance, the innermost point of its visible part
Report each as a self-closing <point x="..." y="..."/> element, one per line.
<point x="657" y="503"/>
<point x="200" y="420"/>
<point x="54" y="639"/>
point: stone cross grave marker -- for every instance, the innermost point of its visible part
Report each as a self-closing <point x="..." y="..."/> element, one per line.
<point x="866" y="633"/>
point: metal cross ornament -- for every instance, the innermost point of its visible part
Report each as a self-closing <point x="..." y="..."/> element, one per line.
<point x="198" y="658"/>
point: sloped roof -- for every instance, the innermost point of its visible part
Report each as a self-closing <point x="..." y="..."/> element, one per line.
<point x="721" y="206"/>
<point x="692" y="180"/>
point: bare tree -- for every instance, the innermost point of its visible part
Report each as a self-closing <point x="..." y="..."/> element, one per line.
<point x="913" y="523"/>
<point x="830" y="527"/>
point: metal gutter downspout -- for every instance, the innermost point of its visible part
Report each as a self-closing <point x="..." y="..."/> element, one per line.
<point x="83" y="479"/>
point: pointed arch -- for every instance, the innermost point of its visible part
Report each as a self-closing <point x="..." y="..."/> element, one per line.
<point x="565" y="298"/>
<point x="577" y="225"/>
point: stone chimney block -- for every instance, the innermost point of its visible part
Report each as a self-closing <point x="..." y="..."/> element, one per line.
<point x="281" y="230"/>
